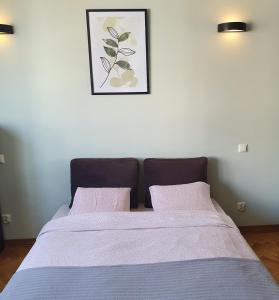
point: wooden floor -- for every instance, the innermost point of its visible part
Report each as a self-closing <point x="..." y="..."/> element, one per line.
<point x="264" y="240"/>
<point x="11" y="257"/>
<point x="265" y="243"/>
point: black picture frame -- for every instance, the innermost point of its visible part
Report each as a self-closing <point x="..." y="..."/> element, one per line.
<point x="146" y="30"/>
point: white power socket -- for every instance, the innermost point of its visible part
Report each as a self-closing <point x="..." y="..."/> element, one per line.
<point x="6" y="219"/>
<point x="242" y="148"/>
<point x="241" y="206"/>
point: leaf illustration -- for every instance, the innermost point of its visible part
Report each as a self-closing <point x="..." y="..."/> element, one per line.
<point x="113" y="32"/>
<point x="110" y="51"/>
<point x="123" y="37"/>
<point x="106" y="64"/>
<point x="123" y="64"/>
<point x="127" y="51"/>
<point x="110" y="42"/>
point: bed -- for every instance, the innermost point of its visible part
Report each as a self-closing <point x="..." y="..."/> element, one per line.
<point x="142" y="254"/>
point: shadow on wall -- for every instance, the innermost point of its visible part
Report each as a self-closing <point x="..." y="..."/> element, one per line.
<point x="13" y="192"/>
<point x="228" y="197"/>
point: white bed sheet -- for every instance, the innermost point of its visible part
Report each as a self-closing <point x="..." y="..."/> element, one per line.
<point x="120" y="238"/>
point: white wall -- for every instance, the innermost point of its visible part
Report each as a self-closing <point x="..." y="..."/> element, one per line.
<point x="210" y="92"/>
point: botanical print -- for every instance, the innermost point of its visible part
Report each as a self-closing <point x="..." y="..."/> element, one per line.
<point x="118" y="51"/>
<point x="113" y="51"/>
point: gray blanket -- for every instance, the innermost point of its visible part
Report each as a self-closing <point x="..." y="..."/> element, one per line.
<point x="220" y="278"/>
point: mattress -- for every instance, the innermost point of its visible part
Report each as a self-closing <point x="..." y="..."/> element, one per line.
<point x="63" y="210"/>
<point x="141" y="255"/>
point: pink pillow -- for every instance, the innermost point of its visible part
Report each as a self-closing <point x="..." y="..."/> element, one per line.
<point x="88" y="200"/>
<point x="192" y="196"/>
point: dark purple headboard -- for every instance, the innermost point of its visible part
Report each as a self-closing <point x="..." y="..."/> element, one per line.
<point x="161" y="171"/>
<point x="105" y="172"/>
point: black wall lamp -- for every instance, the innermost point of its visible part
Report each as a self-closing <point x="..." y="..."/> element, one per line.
<point x="6" y="29"/>
<point x="232" y="27"/>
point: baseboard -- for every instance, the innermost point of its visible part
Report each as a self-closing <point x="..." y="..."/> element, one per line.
<point x="19" y="242"/>
<point x="260" y="228"/>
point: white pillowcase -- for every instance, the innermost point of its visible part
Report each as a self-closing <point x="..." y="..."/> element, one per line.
<point x="88" y="200"/>
<point x="192" y="196"/>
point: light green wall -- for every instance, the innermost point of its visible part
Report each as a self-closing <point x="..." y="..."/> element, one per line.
<point x="210" y="92"/>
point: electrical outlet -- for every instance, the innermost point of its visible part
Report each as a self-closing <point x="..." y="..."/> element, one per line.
<point x="242" y="148"/>
<point x="241" y="206"/>
<point x="6" y="219"/>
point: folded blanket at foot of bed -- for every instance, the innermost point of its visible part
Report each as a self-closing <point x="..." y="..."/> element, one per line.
<point x="216" y="278"/>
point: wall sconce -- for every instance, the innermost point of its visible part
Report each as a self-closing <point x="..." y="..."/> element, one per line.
<point x="6" y="29"/>
<point x="232" y="27"/>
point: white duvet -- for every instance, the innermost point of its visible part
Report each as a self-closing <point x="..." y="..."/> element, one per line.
<point x="119" y="238"/>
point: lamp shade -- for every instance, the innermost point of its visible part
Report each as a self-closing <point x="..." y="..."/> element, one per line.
<point x="6" y="29"/>
<point x="232" y="27"/>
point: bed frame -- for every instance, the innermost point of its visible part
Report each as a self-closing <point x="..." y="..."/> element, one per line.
<point x="124" y="172"/>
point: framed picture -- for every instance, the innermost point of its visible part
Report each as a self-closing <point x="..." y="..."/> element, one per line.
<point x="118" y="51"/>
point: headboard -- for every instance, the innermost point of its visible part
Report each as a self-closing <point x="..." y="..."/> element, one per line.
<point x="105" y="172"/>
<point x="160" y="171"/>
